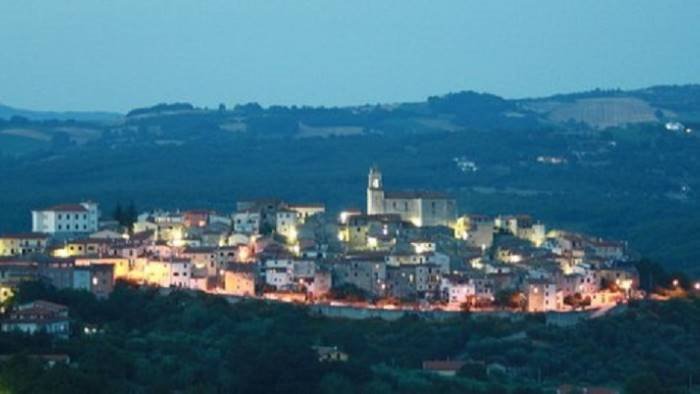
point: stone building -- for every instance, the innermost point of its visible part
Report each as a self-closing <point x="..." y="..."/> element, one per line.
<point x="422" y="208"/>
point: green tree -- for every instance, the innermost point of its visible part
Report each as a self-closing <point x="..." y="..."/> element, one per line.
<point x="118" y="213"/>
<point x="334" y="383"/>
<point x="646" y="383"/>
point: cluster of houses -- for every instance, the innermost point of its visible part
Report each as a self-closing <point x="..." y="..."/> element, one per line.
<point x="406" y="248"/>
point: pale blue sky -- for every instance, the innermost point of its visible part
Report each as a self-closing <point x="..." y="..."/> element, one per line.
<point x="117" y="55"/>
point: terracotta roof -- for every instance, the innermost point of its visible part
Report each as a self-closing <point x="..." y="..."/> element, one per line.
<point x="25" y="236"/>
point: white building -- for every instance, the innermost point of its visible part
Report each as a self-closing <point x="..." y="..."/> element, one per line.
<point x="305" y="211"/>
<point x="246" y="221"/>
<point x="542" y="296"/>
<point x="66" y="219"/>
<point x="287" y="221"/>
<point x="419" y="208"/>
<point x="457" y="290"/>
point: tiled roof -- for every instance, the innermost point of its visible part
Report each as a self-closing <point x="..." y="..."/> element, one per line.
<point x="67" y="208"/>
<point x="25" y="236"/>
<point x="409" y="194"/>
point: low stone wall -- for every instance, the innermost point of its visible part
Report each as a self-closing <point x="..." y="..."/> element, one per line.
<point x="348" y="312"/>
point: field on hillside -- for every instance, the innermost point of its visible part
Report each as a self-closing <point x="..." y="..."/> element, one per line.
<point x="633" y="184"/>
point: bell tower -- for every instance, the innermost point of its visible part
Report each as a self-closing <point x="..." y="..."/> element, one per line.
<point x="375" y="192"/>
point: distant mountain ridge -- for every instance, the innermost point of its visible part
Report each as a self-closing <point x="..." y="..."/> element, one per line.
<point x="7" y="112"/>
<point x="596" y="109"/>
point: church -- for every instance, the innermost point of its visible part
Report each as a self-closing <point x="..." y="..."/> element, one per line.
<point x="418" y="207"/>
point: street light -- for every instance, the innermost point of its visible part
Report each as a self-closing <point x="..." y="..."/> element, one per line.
<point x="697" y="286"/>
<point x="675" y="283"/>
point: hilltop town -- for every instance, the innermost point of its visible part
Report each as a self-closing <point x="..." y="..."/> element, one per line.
<point x="407" y="250"/>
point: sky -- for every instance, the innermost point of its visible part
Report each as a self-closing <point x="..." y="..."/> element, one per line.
<point x="121" y="54"/>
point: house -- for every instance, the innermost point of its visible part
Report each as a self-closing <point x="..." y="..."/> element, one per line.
<point x="95" y="278"/>
<point x="365" y="271"/>
<point x="239" y="279"/>
<point x="209" y="260"/>
<point x="108" y="234"/>
<point x="13" y="272"/>
<point x="246" y="222"/>
<point x="457" y="289"/>
<point x="21" y="244"/>
<point x="608" y="250"/>
<point x="286" y="224"/>
<point x="523" y="227"/>
<point x="419" y="208"/>
<point x="305" y="211"/>
<point x="446" y="368"/>
<point x="66" y="219"/>
<point x="421" y="246"/>
<point x="195" y="218"/>
<point x="121" y="266"/>
<point x="358" y="230"/>
<point x="87" y="247"/>
<point x="476" y="230"/>
<point x="541" y="296"/>
<point x="328" y="354"/>
<point x="173" y="272"/>
<point x="38" y="316"/>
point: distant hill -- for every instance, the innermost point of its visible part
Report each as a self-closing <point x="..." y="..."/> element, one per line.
<point x="601" y="109"/>
<point x="601" y="162"/>
<point x="597" y="109"/>
<point x="7" y="112"/>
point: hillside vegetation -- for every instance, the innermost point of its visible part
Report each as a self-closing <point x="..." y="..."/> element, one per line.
<point x="197" y="343"/>
<point x="634" y="181"/>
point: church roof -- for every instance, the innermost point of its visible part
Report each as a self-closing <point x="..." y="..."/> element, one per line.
<point x="409" y="194"/>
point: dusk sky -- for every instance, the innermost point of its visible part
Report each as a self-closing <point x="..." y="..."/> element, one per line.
<point x="117" y="55"/>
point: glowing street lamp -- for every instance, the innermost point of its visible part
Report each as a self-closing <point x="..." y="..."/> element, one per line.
<point x="675" y="283"/>
<point x="697" y="286"/>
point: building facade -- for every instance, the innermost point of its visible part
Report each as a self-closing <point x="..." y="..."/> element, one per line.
<point x="419" y="208"/>
<point x="66" y="219"/>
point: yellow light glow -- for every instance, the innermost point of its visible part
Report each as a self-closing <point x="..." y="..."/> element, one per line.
<point x="63" y="252"/>
<point x="372" y="242"/>
<point x="243" y="253"/>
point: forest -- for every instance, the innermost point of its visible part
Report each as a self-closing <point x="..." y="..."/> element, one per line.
<point x="143" y="341"/>
<point x="634" y="182"/>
